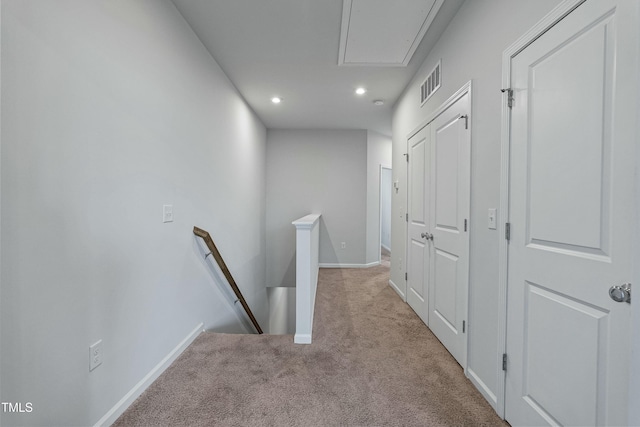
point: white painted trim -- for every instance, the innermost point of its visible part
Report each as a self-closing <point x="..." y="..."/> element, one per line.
<point x="306" y="222"/>
<point x="302" y="338"/>
<point x="118" y="409"/>
<point x="344" y="30"/>
<point x="307" y="252"/>
<point x="536" y="31"/>
<point x="397" y="289"/>
<point x="338" y="265"/>
<point x="380" y="208"/>
<point x="468" y="165"/>
<point x="482" y="387"/>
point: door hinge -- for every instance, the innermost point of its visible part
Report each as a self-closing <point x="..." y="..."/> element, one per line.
<point x="406" y="217"/>
<point x="507" y="231"/>
<point x="406" y="276"/>
<point x="504" y="361"/>
<point x="465" y="225"/>
<point x="509" y="96"/>
<point x="464" y="324"/>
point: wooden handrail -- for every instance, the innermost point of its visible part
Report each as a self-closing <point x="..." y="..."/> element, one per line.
<point x="216" y="255"/>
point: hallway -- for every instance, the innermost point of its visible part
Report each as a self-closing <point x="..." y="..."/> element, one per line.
<point x="372" y="362"/>
<point x="127" y="123"/>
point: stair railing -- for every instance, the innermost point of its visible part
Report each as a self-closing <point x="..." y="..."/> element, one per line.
<point x="204" y="235"/>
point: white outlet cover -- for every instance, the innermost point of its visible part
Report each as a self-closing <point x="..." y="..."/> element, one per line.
<point x="95" y="355"/>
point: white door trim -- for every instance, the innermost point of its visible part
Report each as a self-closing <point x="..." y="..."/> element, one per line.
<point x="382" y="166"/>
<point x="562" y="10"/>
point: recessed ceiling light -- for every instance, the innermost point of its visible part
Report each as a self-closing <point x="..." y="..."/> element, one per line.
<point x="361" y="91"/>
<point x="276" y="100"/>
<point x="378" y="102"/>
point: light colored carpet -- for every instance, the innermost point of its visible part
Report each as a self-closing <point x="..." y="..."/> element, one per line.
<point x="372" y="363"/>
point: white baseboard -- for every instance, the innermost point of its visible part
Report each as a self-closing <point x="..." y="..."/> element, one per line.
<point x="397" y="289"/>
<point x="482" y="387"/>
<point x="119" y="408"/>
<point x="330" y="265"/>
<point x="302" y="338"/>
<point x="382" y="245"/>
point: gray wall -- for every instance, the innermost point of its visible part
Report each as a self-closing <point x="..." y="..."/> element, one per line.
<point x="471" y="49"/>
<point x="282" y="310"/>
<point x="634" y="389"/>
<point x="110" y="109"/>
<point x="315" y="171"/>
<point x="378" y="153"/>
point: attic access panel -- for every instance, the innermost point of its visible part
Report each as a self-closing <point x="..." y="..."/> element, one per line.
<point x="383" y="32"/>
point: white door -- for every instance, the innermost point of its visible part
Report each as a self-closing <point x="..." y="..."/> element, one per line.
<point x="571" y="204"/>
<point x="439" y="199"/>
<point x="449" y="213"/>
<point x="418" y="261"/>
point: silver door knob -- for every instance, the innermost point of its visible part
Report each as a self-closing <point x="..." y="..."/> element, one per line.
<point x="427" y="236"/>
<point x="621" y="293"/>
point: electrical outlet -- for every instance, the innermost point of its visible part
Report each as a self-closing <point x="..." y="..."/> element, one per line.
<point x="95" y="355"/>
<point x="343" y="245"/>
<point x="167" y="213"/>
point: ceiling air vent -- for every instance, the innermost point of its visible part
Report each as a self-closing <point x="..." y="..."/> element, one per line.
<point x="431" y="84"/>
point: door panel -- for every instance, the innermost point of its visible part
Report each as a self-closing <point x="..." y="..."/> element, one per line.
<point x="417" y="283"/>
<point x="567" y="393"/>
<point x="418" y="211"/>
<point x="571" y="208"/>
<point x="444" y="294"/>
<point x="451" y="170"/>
<point x="446" y="180"/>
<point x="419" y="190"/>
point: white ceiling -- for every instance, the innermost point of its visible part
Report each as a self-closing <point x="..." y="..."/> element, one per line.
<point x="290" y="48"/>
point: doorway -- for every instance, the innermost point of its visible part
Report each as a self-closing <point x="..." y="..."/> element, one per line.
<point x="386" y="177"/>
<point x="439" y="155"/>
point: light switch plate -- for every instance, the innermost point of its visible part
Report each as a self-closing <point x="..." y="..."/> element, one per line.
<point x="167" y="213"/>
<point x="493" y="220"/>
